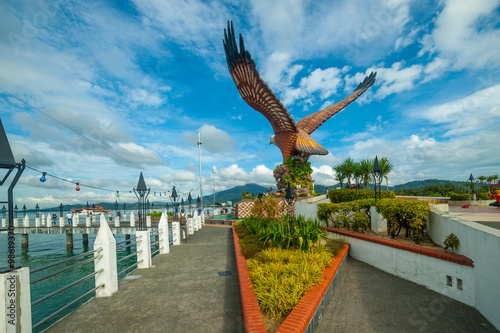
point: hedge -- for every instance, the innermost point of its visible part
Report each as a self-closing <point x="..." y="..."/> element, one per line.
<point x="459" y="196"/>
<point x="347" y="195"/>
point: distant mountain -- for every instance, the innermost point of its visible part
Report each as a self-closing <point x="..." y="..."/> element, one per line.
<point x="234" y="194"/>
<point x="418" y="184"/>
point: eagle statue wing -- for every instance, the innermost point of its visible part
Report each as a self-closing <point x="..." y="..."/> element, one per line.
<point x="311" y="122"/>
<point x="256" y="93"/>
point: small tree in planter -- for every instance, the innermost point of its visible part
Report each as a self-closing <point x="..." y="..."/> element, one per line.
<point x="451" y="242"/>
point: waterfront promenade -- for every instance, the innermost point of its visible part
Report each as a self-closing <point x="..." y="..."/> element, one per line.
<point x="184" y="292"/>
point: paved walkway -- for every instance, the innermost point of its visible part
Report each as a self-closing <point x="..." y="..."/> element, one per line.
<point x="485" y="215"/>
<point x="182" y="293"/>
<point x="367" y="299"/>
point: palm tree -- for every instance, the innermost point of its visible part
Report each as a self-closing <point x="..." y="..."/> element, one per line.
<point x="348" y="169"/>
<point x="357" y="174"/>
<point x="339" y="174"/>
<point x="386" y="166"/>
<point x="366" y="167"/>
<point x="481" y="180"/>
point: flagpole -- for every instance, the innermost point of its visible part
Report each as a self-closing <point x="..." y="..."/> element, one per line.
<point x="199" y="155"/>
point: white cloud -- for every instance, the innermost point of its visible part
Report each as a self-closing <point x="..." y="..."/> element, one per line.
<point x="396" y="79"/>
<point x="213" y="140"/>
<point x="466" y="35"/>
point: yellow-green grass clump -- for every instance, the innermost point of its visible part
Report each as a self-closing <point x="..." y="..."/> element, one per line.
<point x="281" y="277"/>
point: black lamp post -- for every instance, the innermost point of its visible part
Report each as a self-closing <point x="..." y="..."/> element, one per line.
<point x="24" y="211"/>
<point x="116" y="207"/>
<point x="190" y="198"/>
<point x="198" y="201"/>
<point x="61" y="210"/>
<point x="182" y="203"/>
<point x="124" y="207"/>
<point x="290" y="200"/>
<point x="377" y="177"/>
<point x="173" y="198"/>
<point x="147" y="206"/>
<point x="15" y="212"/>
<point x="4" y="210"/>
<point x="471" y="179"/>
<point x="142" y="192"/>
<point x="37" y="209"/>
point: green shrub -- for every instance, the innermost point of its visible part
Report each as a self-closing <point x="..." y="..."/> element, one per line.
<point x="484" y="196"/>
<point x="451" y="242"/>
<point x="459" y="196"/>
<point x="404" y="213"/>
<point x="360" y="220"/>
<point x="281" y="277"/>
<point x="267" y="207"/>
<point x="250" y="246"/>
<point x="347" y="195"/>
<point x="334" y="245"/>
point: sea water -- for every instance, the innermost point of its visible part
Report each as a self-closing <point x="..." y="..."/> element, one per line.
<point x="45" y="249"/>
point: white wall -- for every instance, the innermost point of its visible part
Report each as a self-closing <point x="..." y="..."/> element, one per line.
<point x="427" y="271"/>
<point x="307" y="210"/>
<point x="482" y="245"/>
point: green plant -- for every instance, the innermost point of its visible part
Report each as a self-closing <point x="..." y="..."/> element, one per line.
<point x="298" y="171"/>
<point x="281" y="277"/>
<point x="451" y="242"/>
<point x="459" y="196"/>
<point x="404" y="213"/>
<point x="267" y="207"/>
<point x="347" y="195"/>
<point x="334" y="245"/>
<point x="359" y="221"/>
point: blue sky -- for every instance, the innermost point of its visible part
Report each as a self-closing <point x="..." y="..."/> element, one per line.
<point x="131" y="84"/>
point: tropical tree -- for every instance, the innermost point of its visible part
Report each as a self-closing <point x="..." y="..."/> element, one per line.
<point x="386" y="166"/>
<point x="348" y="169"/>
<point x="365" y="168"/>
<point x="357" y="174"/>
<point x="339" y="174"/>
<point x="481" y="180"/>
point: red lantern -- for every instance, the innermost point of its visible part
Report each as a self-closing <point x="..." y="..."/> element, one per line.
<point x="77" y="187"/>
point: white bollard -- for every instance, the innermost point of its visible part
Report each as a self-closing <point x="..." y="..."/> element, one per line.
<point x="190" y="226"/>
<point x="148" y="221"/>
<point x="163" y="233"/>
<point x="26" y="221"/>
<point x="76" y="220"/>
<point x="15" y="301"/>
<point x="37" y="222"/>
<point x="132" y="219"/>
<point x="16" y="222"/>
<point x="202" y="218"/>
<point x="144" y="249"/>
<point x="117" y="221"/>
<point x="176" y="233"/>
<point x="61" y="222"/>
<point x="4" y="223"/>
<point x="109" y="275"/>
<point x="88" y="223"/>
<point x="124" y="217"/>
<point x="43" y="219"/>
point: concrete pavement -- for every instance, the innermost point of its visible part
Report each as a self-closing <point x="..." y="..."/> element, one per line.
<point x="184" y="292"/>
<point x="367" y="299"/>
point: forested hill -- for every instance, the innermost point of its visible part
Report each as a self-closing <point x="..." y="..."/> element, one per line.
<point x="418" y="184"/>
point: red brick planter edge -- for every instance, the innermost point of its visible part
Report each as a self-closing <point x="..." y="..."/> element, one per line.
<point x="448" y="256"/>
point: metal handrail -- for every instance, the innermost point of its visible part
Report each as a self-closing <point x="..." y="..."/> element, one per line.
<point x="126" y="240"/>
<point x="66" y="306"/>
<point x="128" y="245"/>
<point x="155" y="252"/>
<point x="155" y="243"/>
<point x="130" y="255"/>
<point x="40" y="300"/>
<point x="64" y="260"/>
<point x="66" y="269"/>
<point x="126" y="269"/>
<point x="154" y="233"/>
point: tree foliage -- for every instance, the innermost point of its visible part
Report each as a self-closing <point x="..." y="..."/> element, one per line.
<point x="347" y="195"/>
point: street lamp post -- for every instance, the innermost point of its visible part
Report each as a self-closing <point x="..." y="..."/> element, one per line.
<point x="377" y="177"/>
<point x="213" y="178"/>
<point x="116" y="207"/>
<point x="471" y="179"/>
<point x="190" y="198"/>
<point x="15" y="212"/>
<point x="24" y="211"/>
<point x="61" y="210"/>
<point x="142" y="192"/>
<point x="37" y="209"/>
<point x="173" y="198"/>
<point x="4" y="211"/>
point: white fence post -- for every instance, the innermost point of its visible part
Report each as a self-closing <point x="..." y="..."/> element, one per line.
<point x="43" y="220"/>
<point x="16" y="222"/>
<point x="37" y="222"/>
<point x="26" y="221"/>
<point x="76" y="220"/>
<point x="190" y="226"/>
<point x="4" y="223"/>
<point x="202" y="218"/>
<point x="88" y="223"/>
<point x="61" y="221"/>
<point x="117" y="221"/>
<point x="15" y="301"/>
<point x="109" y="275"/>
<point x="143" y="248"/>
<point x="176" y="233"/>
<point x="132" y="219"/>
<point x="163" y="235"/>
<point x="148" y="221"/>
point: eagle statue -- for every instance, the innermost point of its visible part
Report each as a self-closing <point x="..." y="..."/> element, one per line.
<point x="293" y="139"/>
